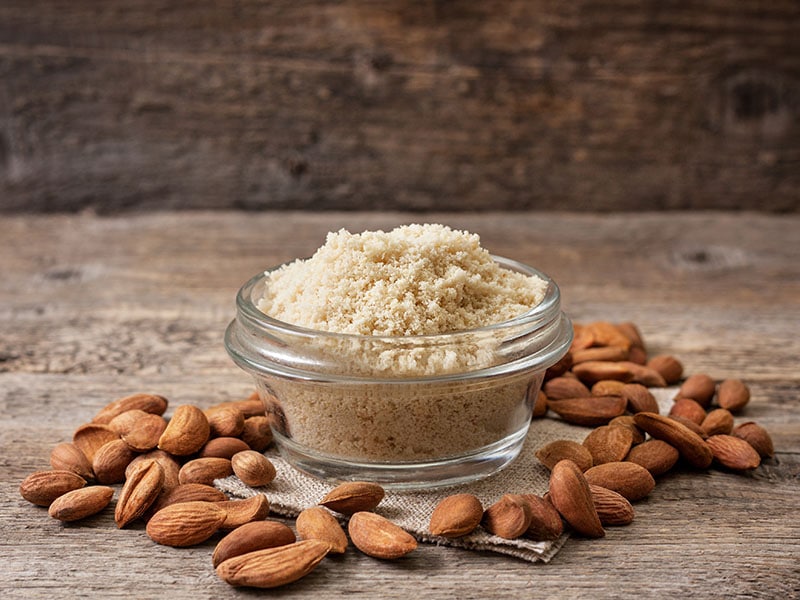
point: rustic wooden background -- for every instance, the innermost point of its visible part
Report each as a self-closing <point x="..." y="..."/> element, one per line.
<point x="449" y="105"/>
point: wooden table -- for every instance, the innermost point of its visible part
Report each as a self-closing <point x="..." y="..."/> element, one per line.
<point x="95" y="308"/>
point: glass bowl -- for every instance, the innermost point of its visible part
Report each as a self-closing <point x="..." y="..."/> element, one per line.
<point x="407" y="412"/>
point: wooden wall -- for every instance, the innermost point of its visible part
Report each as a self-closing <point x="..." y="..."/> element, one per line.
<point x="399" y="104"/>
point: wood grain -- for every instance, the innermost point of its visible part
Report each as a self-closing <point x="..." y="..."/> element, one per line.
<point x="385" y="104"/>
<point x="95" y="308"/>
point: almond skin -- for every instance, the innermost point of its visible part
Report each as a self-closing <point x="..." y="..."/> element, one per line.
<point x="688" y="409"/>
<point x="593" y="371"/>
<point x="185" y="524"/>
<point x="610" y="353"/>
<point x="222" y="447"/>
<point x="378" y="537"/>
<point x="757" y="437"/>
<point x="273" y="567"/>
<point x="657" y="456"/>
<point x="456" y="516"/>
<point x="608" y="387"/>
<point x="150" y="403"/>
<point x="225" y="421"/>
<point x="608" y="444"/>
<point x="250" y="537"/>
<point x="670" y="367"/>
<point x="717" y="421"/>
<point x="699" y="387"/>
<point x="639" y="398"/>
<point x="81" y="503"/>
<point x="612" y="508"/>
<point x="546" y="523"/>
<point x="353" y="496"/>
<point x="68" y="457"/>
<point x="629" y="479"/>
<point x="733" y="452"/>
<point x="140" y="491"/>
<point x="168" y="464"/>
<point x="317" y="523"/>
<point x="145" y="433"/>
<point x="189" y="492"/>
<point x="554" y="452"/>
<point x="205" y="470"/>
<point x="539" y="405"/>
<point x="565" y="387"/>
<point x="507" y="518"/>
<point x="644" y="375"/>
<point x="607" y="334"/>
<point x="590" y="411"/>
<point x="187" y="431"/>
<point x="91" y="437"/>
<point x="126" y="421"/>
<point x="43" y="487"/>
<point x="253" y="468"/>
<point x="239" y="512"/>
<point x="257" y="433"/>
<point x="733" y="394"/>
<point x="111" y="461"/>
<point x="690" y="445"/>
<point x="572" y="498"/>
<point x="627" y="422"/>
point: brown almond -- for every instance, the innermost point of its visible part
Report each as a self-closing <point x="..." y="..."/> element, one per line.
<point x="627" y="478"/>
<point x="81" y="503"/>
<point x="150" y="403"/>
<point x="222" y="447"/>
<point x="627" y="422"/>
<point x="608" y="387"/>
<point x="188" y="492"/>
<point x="539" y="405"/>
<point x="225" y="421"/>
<point x="688" y="409"/>
<point x="668" y="366"/>
<point x="637" y="355"/>
<point x="733" y="394"/>
<point x="572" y="498"/>
<point x="554" y="452"/>
<point x="353" y="496"/>
<point x="699" y="387"/>
<point x="719" y="420"/>
<point x="43" y="487"/>
<point x="456" y="516"/>
<point x="253" y="468"/>
<point x="142" y="487"/>
<point x="546" y="523"/>
<point x="612" y="353"/>
<point x="111" y="461"/>
<point x="690" y="445"/>
<point x="186" y="432"/>
<point x="733" y="452"/>
<point x="507" y="518"/>
<point x="608" y="334"/>
<point x="317" y="523"/>
<point x="563" y="365"/>
<point x="639" y="398"/>
<point x="145" y="433"/>
<point x="239" y="512"/>
<point x="631" y="331"/>
<point x="689" y="424"/>
<point x="657" y="456"/>
<point x="612" y="508"/>
<point x="644" y="375"/>
<point x="608" y="444"/>
<point x="564" y="387"/>
<point x="257" y="433"/>
<point x="66" y="456"/>
<point x="378" y="537"/>
<point x="257" y="535"/>
<point x="185" y="524"/>
<point x="582" y="338"/>
<point x="273" y="567"/>
<point x="758" y="437"/>
<point x="249" y="407"/>
<point x="124" y="422"/>
<point x="597" y="370"/>
<point x="205" y="470"/>
<point x="591" y="411"/>
<point x="168" y="464"/>
<point x="90" y="437"/>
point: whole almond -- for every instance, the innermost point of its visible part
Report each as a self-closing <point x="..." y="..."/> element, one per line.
<point x="554" y="452"/>
<point x="627" y="422"/>
<point x="610" y="353"/>
<point x="631" y="331"/>
<point x="168" y="464"/>
<point x="188" y="492"/>
<point x="699" y="387"/>
<point x="688" y="409"/>
<point x="562" y="366"/>
<point x="639" y="398"/>
<point x="249" y="407"/>
<point x="719" y="420"/>
<point x="66" y="456"/>
<point x="145" y="433"/>
<point x="596" y="370"/>
<point x="250" y="537"/>
<point x="539" y="405"/>
<point x="590" y="411"/>
<point x="317" y="523"/>
<point x="353" y="496"/>
<point x="546" y="523"/>
<point x="456" y="516"/>
<point x="150" y="403"/>
<point x="186" y="432"/>
<point x="733" y="394"/>
<point x="507" y="518"/>
<point x="668" y="366"/>
<point x="657" y="456"/>
<point x="222" y="447"/>
<point x="81" y="503"/>
<point x="612" y="508"/>
<point x="757" y="437"/>
<point x="644" y="375"/>
<point x="239" y="512"/>
<point x="185" y="524"/>
<point x="627" y="478"/>
<point x="582" y="338"/>
<point x="225" y="421"/>
<point x="125" y="421"/>
<point x="565" y="387"/>
<point x="733" y="452"/>
<point x="42" y="487"/>
<point x="608" y="387"/>
<point x="378" y="537"/>
<point x="141" y="488"/>
<point x="90" y="437"/>
<point x="637" y="355"/>
<point x="253" y="468"/>
<point x="572" y="498"/>
<point x="111" y="461"/>
<point x="690" y="445"/>
<point x="205" y="470"/>
<point x="608" y="444"/>
<point x="689" y="424"/>
<point x="257" y="433"/>
<point x="273" y="567"/>
<point x="608" y="334"/>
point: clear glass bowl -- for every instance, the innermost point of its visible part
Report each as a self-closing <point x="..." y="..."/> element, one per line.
<point x="404" y="411"/>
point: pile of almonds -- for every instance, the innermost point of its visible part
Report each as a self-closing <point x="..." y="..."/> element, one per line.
<point x="167" y="468"/>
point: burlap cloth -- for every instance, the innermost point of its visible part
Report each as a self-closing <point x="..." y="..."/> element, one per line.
<point x="292" y="491"/>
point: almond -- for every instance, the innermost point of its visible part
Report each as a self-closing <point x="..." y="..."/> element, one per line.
<point x="378" y="537"/>
<point x="317" y="523"/>
<point x="253" y="468"/>
<point x="111" y="461"/>
<point x="205" y="470"/>
<point x="564" y="387"/>
<point x="68" y="457"/>
<point x="250" y="537"/>
<point x="222" y="447"/>
<point x="644" y="375"/>
<point x="562" y="366"/>
<point x="699" y="387"/>
<point x="608" y="444"/>
<point x="81" y="503"/>
<point x="596" y="370"/>
<point x="140" y="491"/>
<point x="733" y="452"/>
<point x="631" y="331"/>
<point x="149" y="403"/>
<point x="608" y="334"/>
<point x="657" y="456"/>
<point x="507" y="518"/>
<point x="591" y="411"/>
<point x="353" y="496"/>
<point x="688" y="409"/>
<point x="539" y="408"/>
<point x="612" y="508"/>
<point x="637" y="355"/>
<point x="572" y="498"/>
<point x="690" y="445"/>
<point x="546" y="523"/>
<point x="627" y="478"/>
<point x="185" y="524"/>
<point x="456" y="516"/>
<point x="273" y="567"/>
<point x="124" y="422"/>
<point x="639" y="398"/>
<point x="554" y="452"/>
<point x="668" y="366"/>
<point x="257" y="433"/>
<point x="627" y="422"/>
<point x="43" y="487"/>
<point x="168" y="464"/>
<point x="239" y="512"/>
<point x="757" y="437"/>
<point x="733" y="394"/>
<point x="583" y="338"/>
<point x="689" y="424"/>
<point x="611" y="353"/>
<point x="249" y="407"/>
<point x="225" y="421"/>
<point x="91" y="436"/>
<point x="719" y="420"/>
<point x="189" y="492"/>
<point x="145" y="433"/>
<point x="186" y="433"/>
<point x="608" y="387"/>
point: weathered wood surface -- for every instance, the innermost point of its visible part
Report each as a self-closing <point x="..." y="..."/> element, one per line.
<point x="581" y="105"/>
<point x="94" y="308"/>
